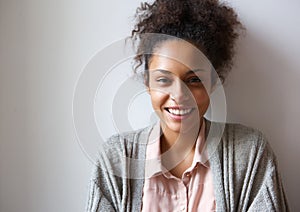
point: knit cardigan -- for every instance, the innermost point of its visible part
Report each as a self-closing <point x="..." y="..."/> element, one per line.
<point x="244" y="169"/>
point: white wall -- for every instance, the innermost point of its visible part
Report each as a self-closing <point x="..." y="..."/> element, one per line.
<point x="44" y="45"/>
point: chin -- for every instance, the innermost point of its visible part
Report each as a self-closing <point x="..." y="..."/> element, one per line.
<point x="181" y="127"/>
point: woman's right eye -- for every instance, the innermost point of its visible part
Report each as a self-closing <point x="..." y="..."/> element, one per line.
<point x="163" y="80"/>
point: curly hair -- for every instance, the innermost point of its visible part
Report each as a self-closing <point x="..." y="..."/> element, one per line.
<point x="211" y="26"/>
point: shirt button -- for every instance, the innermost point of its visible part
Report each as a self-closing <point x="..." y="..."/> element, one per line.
<point x="182" y="208"/>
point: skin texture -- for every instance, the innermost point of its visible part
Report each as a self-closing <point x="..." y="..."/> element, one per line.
<point x="179" y="76"/>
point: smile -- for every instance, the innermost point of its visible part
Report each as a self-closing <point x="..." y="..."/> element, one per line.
<point x="179" y="112"/>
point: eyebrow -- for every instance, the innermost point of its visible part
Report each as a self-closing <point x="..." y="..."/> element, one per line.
<point x="187" y="73"/>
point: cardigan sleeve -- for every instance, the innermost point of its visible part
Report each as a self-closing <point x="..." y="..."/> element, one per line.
<point x="118" y="178"/>
<point x="96" y="200"/>
<point x="270" y="195"/>
<point x="104" y="191"/>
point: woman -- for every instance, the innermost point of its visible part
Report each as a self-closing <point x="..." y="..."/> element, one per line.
<point x="176" y="165"/>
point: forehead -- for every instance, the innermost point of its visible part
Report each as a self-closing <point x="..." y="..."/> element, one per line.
<point x="178" y="53"/>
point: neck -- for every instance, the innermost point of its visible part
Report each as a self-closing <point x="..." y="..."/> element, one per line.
<point x="177" y="146"/>
<point x="179" y="140"/>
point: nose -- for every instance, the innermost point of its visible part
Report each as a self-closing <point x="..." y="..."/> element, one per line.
<point x="179" y="92"/>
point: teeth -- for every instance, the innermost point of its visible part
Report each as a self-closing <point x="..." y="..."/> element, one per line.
<point x="179" y="112"/>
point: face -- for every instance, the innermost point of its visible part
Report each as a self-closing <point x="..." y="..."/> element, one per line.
<point x="179" y="82"/>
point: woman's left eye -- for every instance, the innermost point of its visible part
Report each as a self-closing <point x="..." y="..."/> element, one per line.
<point x="194" y="80"/>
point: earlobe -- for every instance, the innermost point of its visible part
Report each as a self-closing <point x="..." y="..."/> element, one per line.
<point x="213" y="87"/>
<point x="148" y="90"/>
<point x="146" y="83"/>
<point x="216" y="84"/>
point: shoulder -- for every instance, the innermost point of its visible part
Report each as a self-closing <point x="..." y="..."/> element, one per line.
<point x="235" y="134"/>
<point x="127" y="149"/>
<point x="246" y="141"/>
<point x="244" y="135"/>
<point x="239" y="141"/>
<point x="126" y="144"/>
<point x="139" y="136"/>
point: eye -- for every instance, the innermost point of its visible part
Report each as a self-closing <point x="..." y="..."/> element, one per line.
<point x="194" y="80"/>
<point x="163" y="80"/>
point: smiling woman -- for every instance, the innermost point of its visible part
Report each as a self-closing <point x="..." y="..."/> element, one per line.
<point x="177" y="92"/>
<point x="175" y="165"/>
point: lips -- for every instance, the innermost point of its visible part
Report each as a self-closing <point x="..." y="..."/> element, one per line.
<point x="177" y="111"/>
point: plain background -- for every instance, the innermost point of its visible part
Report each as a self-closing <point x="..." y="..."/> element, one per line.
<point x="44" y="45"/>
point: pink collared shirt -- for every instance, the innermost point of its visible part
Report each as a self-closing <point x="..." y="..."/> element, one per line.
<point x="164" y="192"/>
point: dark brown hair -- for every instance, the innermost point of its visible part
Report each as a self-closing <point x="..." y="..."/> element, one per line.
<point x="211" y="26"/>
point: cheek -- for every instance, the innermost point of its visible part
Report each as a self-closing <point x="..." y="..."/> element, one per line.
<point x="158" y="98"/>
<point x="201" y="97"/>
<point x="202" y="100"/>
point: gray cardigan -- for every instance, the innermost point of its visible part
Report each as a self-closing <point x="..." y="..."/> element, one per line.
<point x="244" y="169"/>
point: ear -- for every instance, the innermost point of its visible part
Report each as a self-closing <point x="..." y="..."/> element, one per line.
<point x="147" y="88"/>
<point x="146" y="81"/>
<point x="213" y="87"/>
<point x="215" y="81"/>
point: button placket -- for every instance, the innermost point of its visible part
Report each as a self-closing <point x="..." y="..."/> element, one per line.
<point x="183" y="197"/>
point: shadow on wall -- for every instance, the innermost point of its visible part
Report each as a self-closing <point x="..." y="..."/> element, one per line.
<point x="262" y="91"/>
